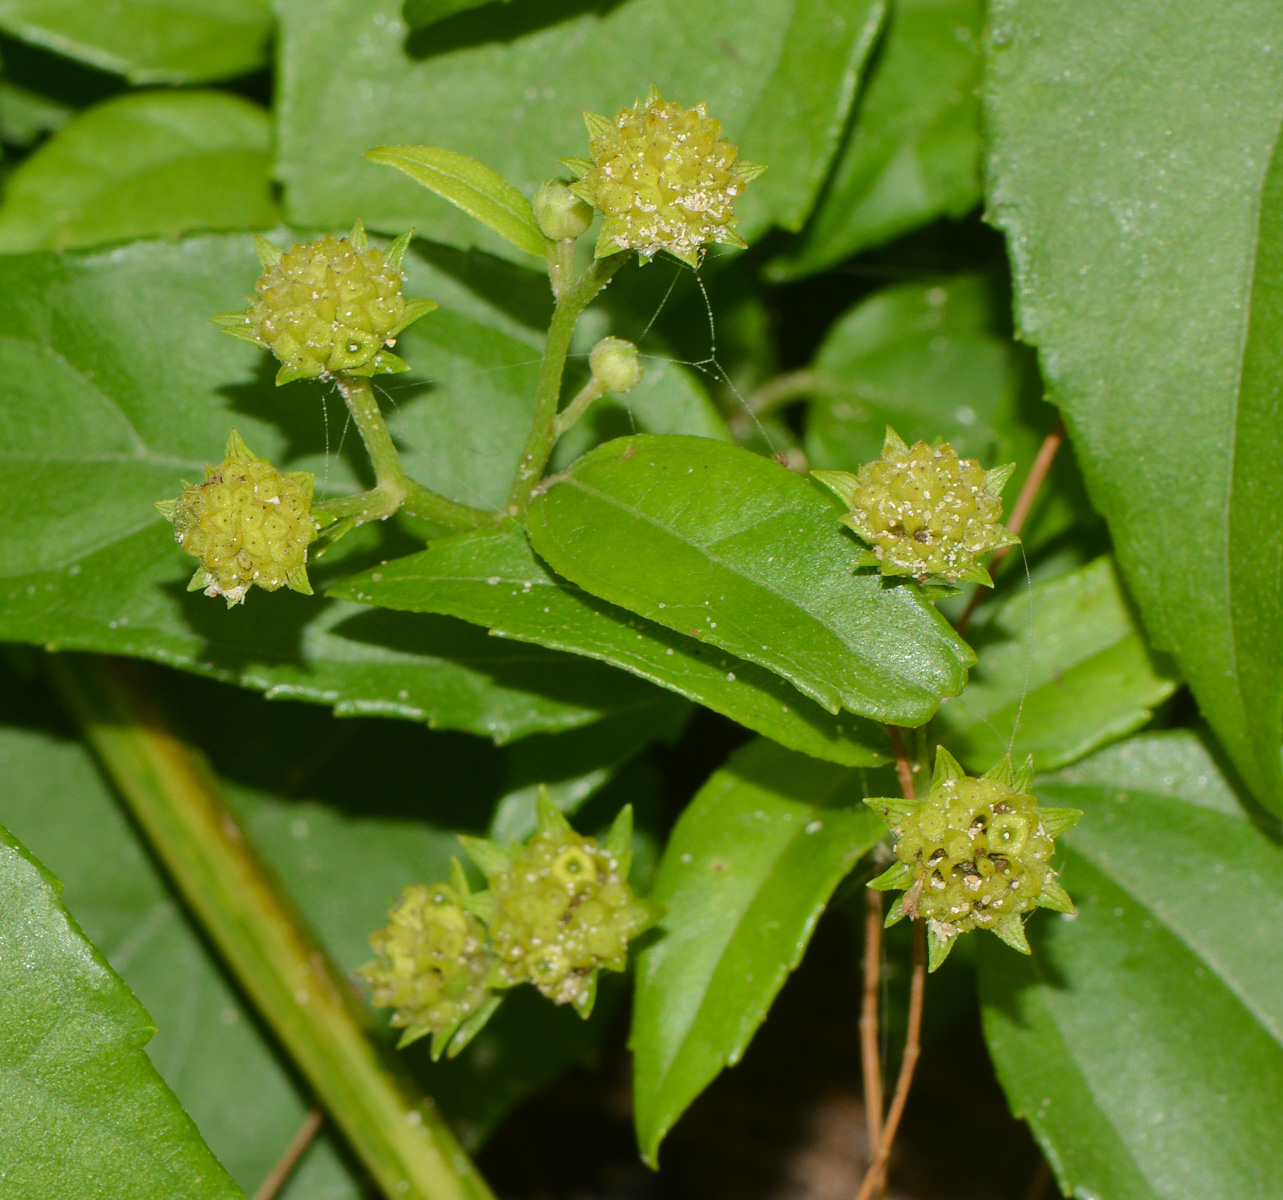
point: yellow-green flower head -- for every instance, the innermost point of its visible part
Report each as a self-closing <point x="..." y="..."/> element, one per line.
<point x="248" y="523"/>
<point x="560" y="907"/>
<point x="924" y="511"/>
<point x="975" y="854"/>
<point x="329" y="307"/>
<point x="431" y="967"/>
<point x="664" y="179"/>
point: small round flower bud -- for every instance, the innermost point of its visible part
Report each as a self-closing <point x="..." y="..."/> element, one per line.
<point x="924" y="511"/>
<point x="248" y="523"/>
<point x="616" y="365"/>
<point x="431" y="966"/>
<point x="560" y="213"/>
<point x="329" y="307"/>
<point x="975" y="854"/>
<point x="560" y="907"/>
<point x="664" y="179"/>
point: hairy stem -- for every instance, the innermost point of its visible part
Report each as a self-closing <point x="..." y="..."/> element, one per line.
<point x="1024" y="502"/>
<point x="178" y="802"/>
<point x="393" y="487"/>
<point x="912" y="1048"/>
<point x="571" y="302"/>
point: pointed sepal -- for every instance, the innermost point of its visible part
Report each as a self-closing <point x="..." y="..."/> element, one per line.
<point x="1052" y="895"/>
<point x="394" y="255"/>
<point x="357" y="238"/>
<point x="598" y="126"/>
<point x="1012" y="931"/>
<point x="493" y="860"/>
<point x="996" y="478"/>
<point x="893" y="443"/>
<point x="268" y="255"/>
<point x="894" y="812"/>
<point x="469" y="1028"/>
<point x="940" y="940"/>
<point x="896" y="913"/>
<point x="414" y="309"/>
<point x="1002" y="772"/>
<point x="551" y="820"/>
<point x="843" y="484"/>
<point x="946" y="768"/>
<point x="619" y="841"/>
<point x="586" y="997"/>
<point x="896" y="877"/>
<point x="1023" y="778"/>
<point x="1056" y="820"/>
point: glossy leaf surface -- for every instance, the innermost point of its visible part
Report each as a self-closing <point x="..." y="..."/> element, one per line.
<point x="1144" y="214"/>
<point x="170" y="41"/>
<point x="1143" y="1041"/>
<point x="120" y="387"/>
<point x="149" y="164"/>
<point x="508" y="84"/>
<point x="913" y="151"/>
<point x="493" y="579"/>
<point x="733" y="549"/>
<point x="1079" y="676"/>
<point x="472" y="187"/>
<point x="745" y="875"/>
<point x="85" y="1112"/>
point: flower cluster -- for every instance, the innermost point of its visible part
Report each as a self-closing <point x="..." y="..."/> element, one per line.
<point x="432" y="965"/>
<point x="329" y="307"/>
<point x="557" y="910"/>
<point x="248" y="523"/>
<point x="924" y="511"/>
<point x="663" y="177"/>
<point x="975" y="854"/>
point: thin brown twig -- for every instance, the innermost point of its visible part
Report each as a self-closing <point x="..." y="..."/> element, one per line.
<point x="1024" y="502"/>
<point x="870" y="1059"/>
<point x="285" y="1165"/>
<point x="902" y="765"/>
<point x="912" y="1048"/>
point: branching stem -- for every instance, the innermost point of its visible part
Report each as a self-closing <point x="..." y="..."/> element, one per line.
<point x="572" y="299"/>
<point x="178" y="803"/>
<point x="393" y="488"/>
<point x="588" y="394"/>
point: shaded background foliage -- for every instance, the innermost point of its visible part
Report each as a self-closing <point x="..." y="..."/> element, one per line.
<point x="1128" y="158"/>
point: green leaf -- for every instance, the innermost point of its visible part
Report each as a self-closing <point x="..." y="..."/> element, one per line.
<point x="148" y="41"/>
<point x="1144" y="213"/>
<point x="119" y="387"/>
<point x="149" y="164"/>
<point x="85" y="1112"/>
<point x="493" y="83"/>
<point x="573" y="767"/>
<point x="936" y="359"/>
<point x="322" y="799"/>
<point x="913" y="152"/>
<point x="493" y="579"/>
<point x="735" y="550"/>
<point x="748" y="870"/>
<point x="420" y="13"/>
<point x="1143" y="1041"/>
<point x="1068" y="661"/>
<point x="471" y="186"/>
<point x="802" y="112"/>
<point x="27" y="114"/>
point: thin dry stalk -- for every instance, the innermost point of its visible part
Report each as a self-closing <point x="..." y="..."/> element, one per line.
<point x="870" y="1058"/>
<point x="1024" y="502"/>
<point x="285" y="1165"/>
<point x="912" y="1048"/>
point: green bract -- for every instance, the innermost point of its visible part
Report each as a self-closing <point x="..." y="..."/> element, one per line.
<point x="248" y="523"/>
<point x="431" y="966"/>
<point x="329" y="307"/>
<point x="975" y="854"/>
<point x="560" y="907"/>
<point x="664" y="179"/>
<point x="924" y="511"/>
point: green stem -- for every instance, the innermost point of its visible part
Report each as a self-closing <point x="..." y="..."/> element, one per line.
<point x="590" y="392"/>
<point x="176" y="799"/>
<point x="394" y="488"/>
<point x="571" y="303"/>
